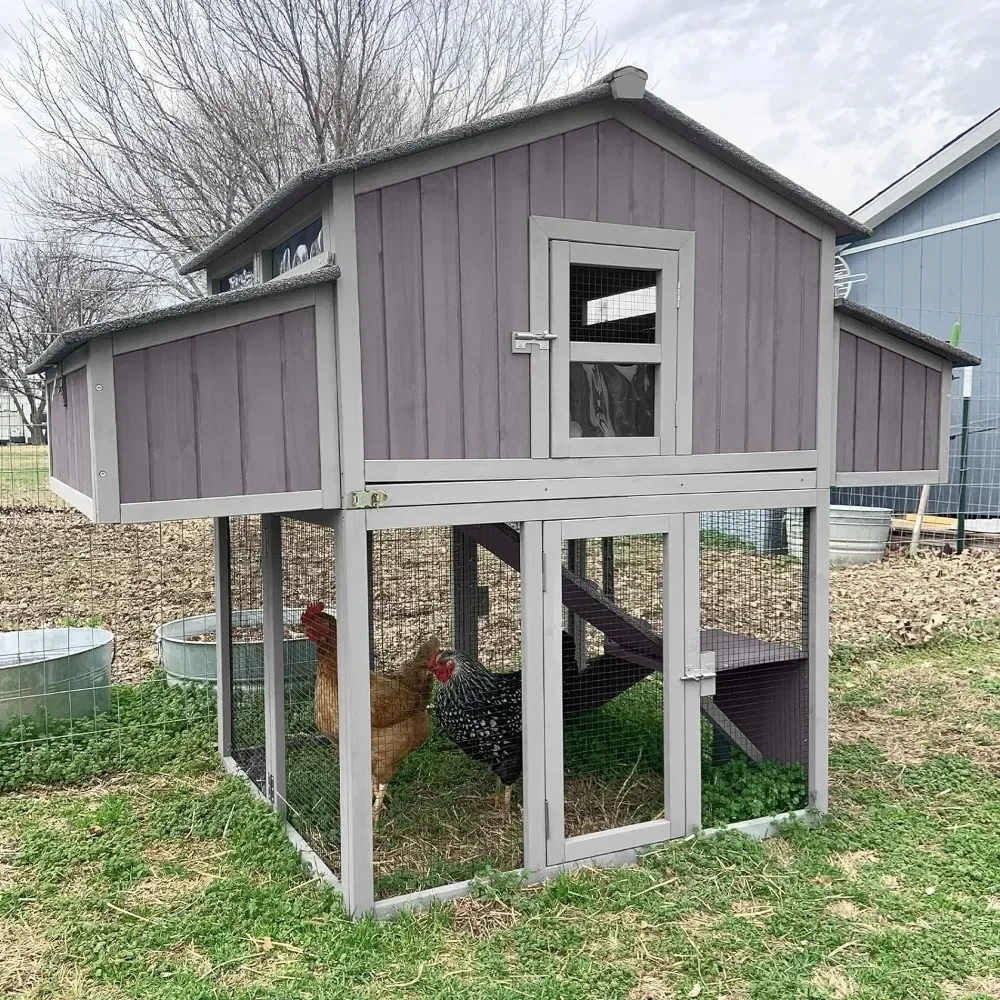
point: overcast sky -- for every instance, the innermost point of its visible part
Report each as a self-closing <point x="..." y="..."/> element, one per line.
<point x="842" y="96"/>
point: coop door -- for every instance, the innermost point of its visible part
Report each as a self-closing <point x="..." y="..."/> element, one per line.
<point x="615" y="711"/>
<point x="613" y="318"/>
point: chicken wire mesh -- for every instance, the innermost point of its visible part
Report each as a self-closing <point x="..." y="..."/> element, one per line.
<point x="442" y="601"/>
<point x="753" y="573"/>
<point x="312" y="767"/>
<point x="83" y="691"/>
<point x="612" y="682"/>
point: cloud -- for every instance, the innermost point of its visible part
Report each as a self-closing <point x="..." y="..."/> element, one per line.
<point x="842" y="97"/>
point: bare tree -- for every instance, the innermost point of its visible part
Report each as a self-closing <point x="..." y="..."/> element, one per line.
<point x="46" y="288"/>
<point x="161" y="122"/>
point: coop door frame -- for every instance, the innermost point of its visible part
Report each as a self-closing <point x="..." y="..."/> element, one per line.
<point x="679" y="711"/>
<point x="547" y="339"/>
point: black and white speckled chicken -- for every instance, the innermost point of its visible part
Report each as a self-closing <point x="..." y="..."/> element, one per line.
<point x="479" y="709"/>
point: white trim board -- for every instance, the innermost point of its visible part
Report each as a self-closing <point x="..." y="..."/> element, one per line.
<point x="253" y="503"/>
<point x="935" y="231"/>
<point x="83" y="503"/>
<point x="494" y="469"/>
<point x="948" y="160"/>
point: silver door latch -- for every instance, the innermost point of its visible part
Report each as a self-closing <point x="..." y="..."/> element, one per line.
<point x="703" y="673"/>
<point x="364" y="499"/>
<point x="522" y="340"/>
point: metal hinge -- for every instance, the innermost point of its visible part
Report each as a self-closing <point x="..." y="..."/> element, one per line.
<point x="361" y="499"/>
<point x="546" y="819"/>
<point x="545" y="585"/>
<point x="678" y="295"/>
<point x="521" y="341"/>
<point x="270" y="788"/>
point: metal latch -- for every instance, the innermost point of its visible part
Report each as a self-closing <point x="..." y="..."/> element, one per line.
<point x="703" y="673"/>
<point x="522" y="340"/>
<point x="362" y="499"/>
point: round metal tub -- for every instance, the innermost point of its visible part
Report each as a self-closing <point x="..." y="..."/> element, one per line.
<point x="62" y="672"/>
<point x="857" y="534"/>
<point x="189" y="661"/>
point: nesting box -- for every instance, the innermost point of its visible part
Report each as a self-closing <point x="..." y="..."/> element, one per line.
<point x="528" y="406"/>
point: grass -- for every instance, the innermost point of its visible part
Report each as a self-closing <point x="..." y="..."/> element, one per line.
<point x="24" y="476"/>
<point x="177" y="885"/>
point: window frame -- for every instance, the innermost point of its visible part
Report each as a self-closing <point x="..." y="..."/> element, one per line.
<point x="662" y="353"/>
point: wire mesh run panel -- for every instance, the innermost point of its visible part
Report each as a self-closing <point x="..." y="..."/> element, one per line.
<point x="247" y="649"/>
<point x="445" y="704"/>
<point x="311" y="709"/>
<point x="754" y="618"/>
<point x="612" y="683"/>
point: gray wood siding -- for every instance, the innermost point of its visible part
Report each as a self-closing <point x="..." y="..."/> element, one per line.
<point x="227" y="413"/>
<point x="888" y="410"/>
<point x="443" y="279"/>
<point x="69" y="433"/>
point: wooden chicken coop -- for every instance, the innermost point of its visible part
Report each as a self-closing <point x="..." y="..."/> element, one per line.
<point x="522" y="438"/>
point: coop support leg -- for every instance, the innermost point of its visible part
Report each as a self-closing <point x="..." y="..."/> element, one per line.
<point x="817" y="535"/>
<point x="692" y="658"/>
<point x="274" y="672"/>
<point x="223" y="634"/>
<point x="464" y="590"/>
<point x="355" y="749"/>
<point x="608" y="573"/>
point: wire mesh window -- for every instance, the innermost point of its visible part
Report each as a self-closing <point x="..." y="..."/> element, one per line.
<point x="612" y="682"/>
<point x="446" y="630"/>
<point x="754" y="617"/>
<point x="612" y="305"/>
<point x="246" y="650"/>
<point x="312" y="724"/>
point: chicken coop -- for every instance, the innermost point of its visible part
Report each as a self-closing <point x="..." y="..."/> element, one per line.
<point x="521" y="437"/>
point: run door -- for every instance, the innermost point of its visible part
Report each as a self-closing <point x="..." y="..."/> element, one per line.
<point x="616" y="713"/>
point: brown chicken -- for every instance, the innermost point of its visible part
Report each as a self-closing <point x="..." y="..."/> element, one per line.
<point x="400" y="722"/>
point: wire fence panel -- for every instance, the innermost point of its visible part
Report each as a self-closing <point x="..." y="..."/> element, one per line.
<point x="312" y="744"/>
<point x="446" y="614"/>
<point x="83" y="691"/>
<point x="754" y="617"/>
<point x="612" y="683"/>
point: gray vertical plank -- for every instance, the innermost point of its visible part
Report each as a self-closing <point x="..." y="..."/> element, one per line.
<point x="932" y="408"/>
<point x="914" y="393"/>
<point x="78" y="411"/>
<point x="707" y="313"/>
<point x="301" y="402"/>
<point x="57" y="431"/>
<point x="173" y="458"/>
<point x="760" y="336"/>
<point x="810" y="327"/>
<point x="614" y="171"/>
<point x="817" y="537"/>
<point x="442" y="318"/>
<point x="402" y="263"/>
<point x="787" y="338"/>
<point x="545" y="164"/>
<point x="890" y="412"/>
<point x="678" y="193"/>
<point x="846" y="385"/>
<point x="480" y="365"/>
<point x="866" y="408"/>
<point x="368" y="219"/>
<point x="262" y="407"/>
<point x="734" y="333"/>
<point x="581" y="173"/>
<point x="533" y="692"/>
<point x="220" y="469"/>
<point x="511" y="176"/>
<point x="646" y="202"/>
<point x="130" y="419"/>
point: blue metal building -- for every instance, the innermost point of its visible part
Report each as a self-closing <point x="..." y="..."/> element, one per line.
<point x="934" y="260"/>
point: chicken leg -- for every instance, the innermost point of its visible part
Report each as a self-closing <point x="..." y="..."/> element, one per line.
<point x="380" y="790"/>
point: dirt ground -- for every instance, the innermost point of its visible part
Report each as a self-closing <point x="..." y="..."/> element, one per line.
<point x="57" y="568"/>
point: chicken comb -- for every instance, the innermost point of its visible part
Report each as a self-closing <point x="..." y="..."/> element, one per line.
<point x="313" y="610"/>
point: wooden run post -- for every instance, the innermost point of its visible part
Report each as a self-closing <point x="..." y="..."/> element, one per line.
<point x="356" y="851"/>
<point x="223" y="633"/>
<point x="274" y="667"/>
<point x="817" y="537"/>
